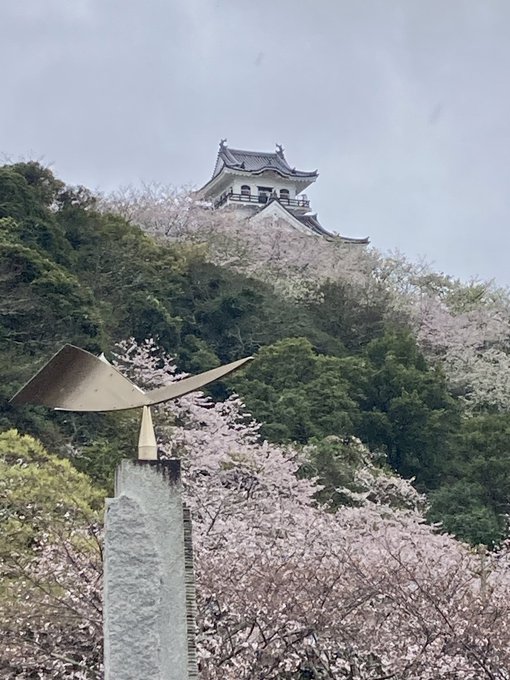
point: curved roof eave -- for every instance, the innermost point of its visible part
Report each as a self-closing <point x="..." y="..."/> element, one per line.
<point x="313" y="225"/>
<point x="271" y="168"/>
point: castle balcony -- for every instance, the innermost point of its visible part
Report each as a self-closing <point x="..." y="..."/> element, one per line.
<point x="261" y="199"/>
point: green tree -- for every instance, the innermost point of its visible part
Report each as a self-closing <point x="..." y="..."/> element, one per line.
<point x="473" y="501"/>
<point x="461" y="509"/>
<point x="40" y="493"/>
<point x="352" y="314"/>
<point x="27" y="192"/>
<point x="407" y="411"/>
<point x="296" y="393"/>
<point x="234" y="315"/>
<point x="135" y="280"/>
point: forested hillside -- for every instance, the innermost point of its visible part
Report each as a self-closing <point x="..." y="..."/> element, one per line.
<point x="368" y="372"/>
<point x="343" y="358"/>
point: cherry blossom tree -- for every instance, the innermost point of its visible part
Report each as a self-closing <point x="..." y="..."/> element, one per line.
<point x="51" y="609"/>
<point x="50" y="566"/>
<point x="286" y="589"/>
<point x="271" y="250"/>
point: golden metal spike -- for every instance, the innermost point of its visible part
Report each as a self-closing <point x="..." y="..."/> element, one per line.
<point x="147" y="447"/>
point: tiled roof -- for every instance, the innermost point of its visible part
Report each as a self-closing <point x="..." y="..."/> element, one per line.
<point x="257" y="162"/>
<point x="314" y="225"/>
<point x="311" y="222"/>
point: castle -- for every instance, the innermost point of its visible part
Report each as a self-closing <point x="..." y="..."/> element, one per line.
<point x="263" y="185"/>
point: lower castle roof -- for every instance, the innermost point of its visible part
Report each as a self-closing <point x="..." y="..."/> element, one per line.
<point x="311" y="222"/>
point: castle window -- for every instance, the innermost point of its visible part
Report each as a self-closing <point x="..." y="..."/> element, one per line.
<point x="284" y="195"/>
<point x="245" y="191"/>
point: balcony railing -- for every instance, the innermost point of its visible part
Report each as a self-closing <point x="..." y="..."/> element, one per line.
<point x="260" y="199"/>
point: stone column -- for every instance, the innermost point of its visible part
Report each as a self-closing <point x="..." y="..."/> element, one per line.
<point x="148" y="576"/>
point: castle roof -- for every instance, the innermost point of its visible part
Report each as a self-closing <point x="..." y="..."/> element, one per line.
<point x="233" y="164"/>
<point x="309" y="221"/>
<point x="257" y="162"/>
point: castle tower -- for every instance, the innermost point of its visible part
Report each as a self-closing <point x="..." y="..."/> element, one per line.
<point x="263" y="185"/>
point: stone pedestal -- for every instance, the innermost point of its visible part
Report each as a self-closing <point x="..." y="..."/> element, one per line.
<point x="148" y="576"/>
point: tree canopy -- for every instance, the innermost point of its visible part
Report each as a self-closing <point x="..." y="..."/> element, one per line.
<point x="348" y="354"/>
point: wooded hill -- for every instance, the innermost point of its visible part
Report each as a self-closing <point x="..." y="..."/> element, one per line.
<point x="312" y="553"/>
<point x="332" y="362"/>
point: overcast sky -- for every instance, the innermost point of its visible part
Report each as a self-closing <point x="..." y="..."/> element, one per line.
<point x="402" y="105"/>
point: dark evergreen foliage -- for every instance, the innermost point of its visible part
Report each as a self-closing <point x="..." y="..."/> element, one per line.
<point x="332" y="366"/>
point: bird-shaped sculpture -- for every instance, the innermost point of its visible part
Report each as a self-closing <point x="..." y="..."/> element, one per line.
<point x="76" y="380"/>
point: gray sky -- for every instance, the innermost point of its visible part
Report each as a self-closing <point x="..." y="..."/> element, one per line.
<point x="402" y="105"/>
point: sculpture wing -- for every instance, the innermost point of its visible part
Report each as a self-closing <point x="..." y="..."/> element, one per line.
<point x="75" y="380"/>
<point x="195" y="382"/>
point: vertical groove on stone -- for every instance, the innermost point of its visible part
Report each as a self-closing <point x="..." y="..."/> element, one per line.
<point x="191" y="604"/>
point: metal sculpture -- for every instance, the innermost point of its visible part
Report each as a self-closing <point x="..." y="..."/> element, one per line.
<point x="76" y="380"/>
